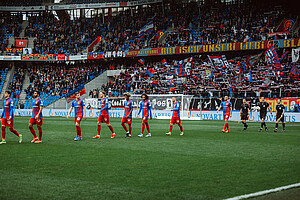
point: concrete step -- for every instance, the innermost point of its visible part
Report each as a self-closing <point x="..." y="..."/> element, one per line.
<point x="24" y="86"/>
<point x="24" y="26"/>
<point x="7" y="78"/>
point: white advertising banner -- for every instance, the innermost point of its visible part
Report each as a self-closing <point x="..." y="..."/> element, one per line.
<point x="164" y="114"/>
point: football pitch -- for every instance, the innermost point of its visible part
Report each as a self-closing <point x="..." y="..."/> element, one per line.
<point x="202" y="164"/>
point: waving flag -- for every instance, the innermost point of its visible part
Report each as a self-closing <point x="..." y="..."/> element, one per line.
<point x="150" y="72"/>
<point x="295" y="72"/>
<point x="242" y="67"/>
<point x="217" y="62"/>
<point x="164" y="62"/>
<point x="142" y="61"/>
<point x="283" y="55"/>
<point x="272" y="58"/>
<point x="185" y="67"/>
<point x="146" y="29"/>
<point x="253" y="60"/>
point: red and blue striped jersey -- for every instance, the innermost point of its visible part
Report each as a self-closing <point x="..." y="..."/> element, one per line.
<point x="78" y="107"/>
<point x="8" y="105"/>
<point x="226" y="107"/>
<point x="176" y="110"/>
<point x="145" y="107"/>
<point x="36" y="105"/>
<point x="128" y="106"/>
<point x="104" y="106"/>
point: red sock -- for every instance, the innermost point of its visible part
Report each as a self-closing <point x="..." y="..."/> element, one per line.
<point x="227" y="127"/>
<point x="170" y="129"/>
<point x="14" y="131"/>
<point x="78" y="130"/>
<point x="148" y="128"/>
<point x="125" y="128"/>
<point x="3" y="132"/>
<point x="143" y="128"/>
<point x="33" y="132"/>
<point x="181" y="128"/>
<point x="98" y="129"/>
<point x="130" y="128"/>
<point x="111" y="128"/>
<point x="40" y="133"/>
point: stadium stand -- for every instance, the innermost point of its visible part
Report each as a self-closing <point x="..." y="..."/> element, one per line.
<point x="136" y="80"/>
<point x="58" y="81"/>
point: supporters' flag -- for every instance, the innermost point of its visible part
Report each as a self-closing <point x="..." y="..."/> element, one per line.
<point x="295" y="72"/>
<point x="159" y="34"/>
<point x="267" y="81"/>
<point x="272" y="58"/>
<point x="295" y="54"/>
<point x="154" y="82"/>
<point x="164" y="62"/>
<point x="209" y="73"/>
<point x="150" y="72"/>
<point x="72" y="97"/>
<point x="170" y="80"/>
<point x="185" y="67"/>
<point x="283" y="55"/>
<point x="242" y="67"/>
<point x="147" y="28"/>
<point x="181" y="70"/>
<point x="253" y="60"/>
<point x="217" y="62"/>
<point x="250" y="79"/>
<point x="142" y="61"/>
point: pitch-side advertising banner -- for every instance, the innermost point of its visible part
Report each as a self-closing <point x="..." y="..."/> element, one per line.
<point x="162" y="114"/>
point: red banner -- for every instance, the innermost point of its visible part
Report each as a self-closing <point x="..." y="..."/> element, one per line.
<point x="60" y="56"/>
<point x="72" y="97"/>
<point x="20" y="43"/>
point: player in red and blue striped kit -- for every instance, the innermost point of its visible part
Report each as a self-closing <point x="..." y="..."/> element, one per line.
<point x="7" y="117"/>
<point x="104" y="116"/>
<point x="145" y="108"/>
<point x="37" y="117"/>
<point x="227" y="112"/>
<point x="80" y="112"/>
<point x="175" y="117"/>
<point x="127" y="118"/>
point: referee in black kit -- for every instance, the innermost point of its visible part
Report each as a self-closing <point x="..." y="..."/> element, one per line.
<point x="279" y="115"/>
<point x="263" y="107"/>
<point x="245" y="113"/>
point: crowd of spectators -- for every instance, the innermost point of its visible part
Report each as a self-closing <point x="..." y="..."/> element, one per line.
<point x="166" y="80"/>
<point x="60" y="79"/>
<point x="10" y="25"/>
<point x="185" y="24"/>
<point x="59" y="36"/>
<point x="23" y="3"/>
<point x="16" y="84"/>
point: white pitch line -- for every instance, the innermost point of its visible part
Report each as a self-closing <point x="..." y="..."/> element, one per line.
<point x="246" y="196"/>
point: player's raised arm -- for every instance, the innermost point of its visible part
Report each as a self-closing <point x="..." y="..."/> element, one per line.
<point x="230" y="109"/>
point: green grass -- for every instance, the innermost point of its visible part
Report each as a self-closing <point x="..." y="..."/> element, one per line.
<point x="202" y="164"/>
